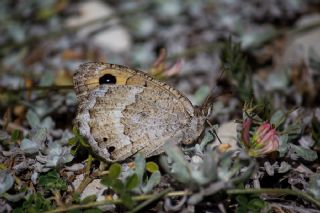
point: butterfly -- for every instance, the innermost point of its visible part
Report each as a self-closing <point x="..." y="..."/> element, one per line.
<point x="123" y="111"/>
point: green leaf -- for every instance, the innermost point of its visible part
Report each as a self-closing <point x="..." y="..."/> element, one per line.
<point x="132" y="182"/>
<point x="52" y="180"/>
<point x="72" y="141"/>
<point x="242" y="209"/>
<point x="242" y="200"/>
<point x="106" y="180"/>
<point x="114" y="170"/>
<point x="35" y="203"/>
<point x="118" y="187"/>
<point x="127" y="201"/>
<point x="33" y="119"/>
<point x="278" y="118"/>
<point x="16" y="135"/>
<point x="152" y="167"/>
<point x="93" y="210"/>
<point x="88" y="199"/>
<point x="283" y="145"/>
<point x="306" y="154"/>
<point x="256" y="203"/>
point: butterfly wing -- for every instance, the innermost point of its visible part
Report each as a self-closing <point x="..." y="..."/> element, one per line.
<point x="124" y="111"/>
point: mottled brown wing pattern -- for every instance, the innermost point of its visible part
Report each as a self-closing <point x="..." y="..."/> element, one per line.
<point x="135" y="113"/>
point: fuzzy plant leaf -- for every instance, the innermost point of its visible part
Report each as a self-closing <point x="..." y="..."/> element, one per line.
<point x="306" y="154"/>
<point x="283" y="145"/>
<point x="6" y="181"/>
<point x="89" y="199"/>
<point x="278" y="118"/>
<point x="140" y="163"/>
<point x="314" y="186"/>
<point x="152" y="182"/>
<point x="29" y="147"/>
<point x="114" y="170"/>
<point x="132" y="182"/>
<point x="33" y="119"/>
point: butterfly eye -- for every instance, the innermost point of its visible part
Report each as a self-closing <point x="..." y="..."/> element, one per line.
<point x="107" y="79"/>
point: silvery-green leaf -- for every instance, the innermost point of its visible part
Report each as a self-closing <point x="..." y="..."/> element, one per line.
<point x="209" y="167"/>
<point x="14" y="197"/>
<point x="283" y="145"/>
<point x="67" y="156"/>
<point x="278" y="80"/>
<point x="66" y="135"/>
<point x="269" y="168"/>
<point x="208" y="138"/>
<point x="200" y="95"/>
<point x="48" y="123"/>
<point x="284" y="167"/>
<point x="6" y="181"/>
<point x="224" y="168"/>
<point x="3" y="135"/>
<point x="40" y="135"/>
<point x="175" y="153"/>
<point x="180" y="172"/>
<point x="140" y="163"/>
<point x="293" y="130"/>
<point x="199" y="177"/>
<point x="152" y="182"/>
<point x="53" y="161"/>
<point x="195" y="198"/>
<point x="54" y="154"/>
<point x="34" y="177"/>
<point x="307" y="154"/>
<point x="306" y="141"/>
<point x="254" y="38"/>
<point x="278" y="118"/>
<point x="29" y="147"/>
<point x="33" y="119"/>
<point x="71" y="99"/>
<point x="314" y="186"/>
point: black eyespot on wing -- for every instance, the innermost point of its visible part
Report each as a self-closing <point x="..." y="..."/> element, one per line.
<point x="107" y="79"/>
<point x="105" y="139"/>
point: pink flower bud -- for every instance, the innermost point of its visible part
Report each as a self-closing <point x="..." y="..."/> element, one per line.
<point x="264" y="140"/>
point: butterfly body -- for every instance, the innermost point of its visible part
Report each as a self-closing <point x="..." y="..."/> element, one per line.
<point x="124" y="111"/>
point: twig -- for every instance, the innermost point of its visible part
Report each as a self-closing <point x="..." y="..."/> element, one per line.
<point x="294" y="192"/>
<point x="87" y="179"/>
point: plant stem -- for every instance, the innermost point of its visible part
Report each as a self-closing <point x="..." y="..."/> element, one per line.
<point x="119" y="201"/>
<point x="294" y="192"/>
<point x="150" y="200"/>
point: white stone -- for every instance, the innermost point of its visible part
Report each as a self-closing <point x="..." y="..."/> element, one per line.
<point x="116" y="38"/>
